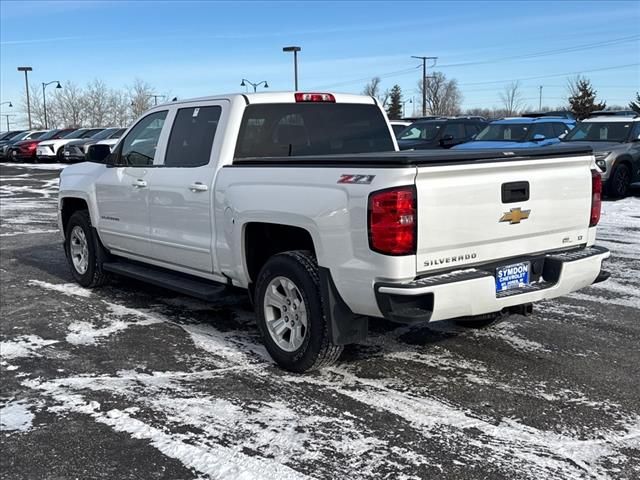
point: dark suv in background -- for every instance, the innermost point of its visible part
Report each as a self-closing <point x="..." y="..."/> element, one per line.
<point x="615" y="139"/>
<point x="439" y="133"/>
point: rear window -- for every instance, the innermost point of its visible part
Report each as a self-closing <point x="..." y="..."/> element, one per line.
<point x="297" y="129"/>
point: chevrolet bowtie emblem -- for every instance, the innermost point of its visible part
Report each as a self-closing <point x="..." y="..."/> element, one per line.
<point x="515" y="215"/>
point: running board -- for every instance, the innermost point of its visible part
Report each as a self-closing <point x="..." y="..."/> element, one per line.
<point x="182" y="283"/>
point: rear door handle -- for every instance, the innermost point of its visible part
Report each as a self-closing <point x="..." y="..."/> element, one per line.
<point x="198" y="187"/>
<point x="139" y="183"/>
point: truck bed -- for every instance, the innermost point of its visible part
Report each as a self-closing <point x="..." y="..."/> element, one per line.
<point x="422" y="158"/>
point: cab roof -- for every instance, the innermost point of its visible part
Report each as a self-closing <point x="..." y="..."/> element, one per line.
<point x="275" y="97"/>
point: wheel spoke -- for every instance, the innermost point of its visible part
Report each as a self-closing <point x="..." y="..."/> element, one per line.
<point x="285" y="313"/>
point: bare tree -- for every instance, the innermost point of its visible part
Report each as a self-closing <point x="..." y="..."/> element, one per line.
<point x="67" y="107"/>
<point x="37" y="111"/>
<point x="511" y="98"/>
<point x="119" y="109"/>
<point x="140" y="94"/>
<point x="96" y="103"/>
<point x="372" y="89"/>
<point x="443" y="95"/>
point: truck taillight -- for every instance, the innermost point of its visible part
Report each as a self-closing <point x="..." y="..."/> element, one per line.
<point x="315" y="97"/>
<point x="393" y="221"/>
<point x="596" y="198"/>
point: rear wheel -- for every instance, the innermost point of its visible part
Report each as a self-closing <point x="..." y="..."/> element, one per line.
<point x="619" y="182"/>
<point x="290" y="314"/>
<point x="84" y="251"/>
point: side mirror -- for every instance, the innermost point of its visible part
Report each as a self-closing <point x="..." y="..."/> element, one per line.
<point x="561" y="137"/>
<point x="538" y="137"/>
<point x="98" y="154"/>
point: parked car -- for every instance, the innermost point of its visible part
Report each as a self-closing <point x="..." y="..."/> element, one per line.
<point x="439" y="133"/>
<point x="615" y="140"/>
<point x="52" y="150"/>
<point x="6" y="136"/>
<point x="26" y="135"/>
<point x="520" y="132"/>
<point x="300" y="199"/>
<point x="25" y="150"/>
<point x="75" y="150"/>
<point x="398" y="126"/>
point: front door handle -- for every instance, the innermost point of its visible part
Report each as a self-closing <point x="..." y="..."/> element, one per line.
<point x="139" y="183"/>
<point x="198" y="187"/>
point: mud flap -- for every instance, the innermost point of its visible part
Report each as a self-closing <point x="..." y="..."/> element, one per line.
<point x="345" y="326"/>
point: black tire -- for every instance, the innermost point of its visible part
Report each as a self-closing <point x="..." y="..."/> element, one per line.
<point x="94" y="276"/>
<point x="60" y="155"/>
<point x="480" y="321"/>
<point x="619" y="181"/>
<point x="317" y="349"/>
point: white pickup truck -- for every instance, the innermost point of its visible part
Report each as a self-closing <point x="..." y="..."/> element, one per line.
<point x="303" y="200"/>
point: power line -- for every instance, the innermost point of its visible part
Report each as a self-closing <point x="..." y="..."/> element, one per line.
<point x="616" y="67"/>
<point x="546" y="53"/>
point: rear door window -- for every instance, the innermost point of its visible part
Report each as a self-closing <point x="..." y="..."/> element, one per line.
<point x="456" y="130"/>
<point x="543" y="129"/>
<point x="298" y="129"/>
<point x="192" y="136"/>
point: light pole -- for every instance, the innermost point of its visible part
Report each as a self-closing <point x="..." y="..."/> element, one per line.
<point x="26" y="84"/>
<point x="404" y="112"/>
<point x="295" y="51"/>
<point x="254" y="85"/>
<point x="4" y="103"/>
<point x="44" y="99"/>
<point x="7" y="115"/>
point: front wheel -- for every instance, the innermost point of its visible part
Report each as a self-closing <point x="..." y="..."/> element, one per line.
<point x="290" y="314"/>
<point x="84" y="251"/>
<point x="619" y="182"/>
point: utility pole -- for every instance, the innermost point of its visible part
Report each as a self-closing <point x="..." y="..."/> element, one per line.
<point x="540" y="102"/>
<point x="424" y="80"/>
<point x="26" y="84"/>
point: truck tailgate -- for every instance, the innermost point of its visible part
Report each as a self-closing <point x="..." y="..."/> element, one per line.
<point x="475" y="213"/>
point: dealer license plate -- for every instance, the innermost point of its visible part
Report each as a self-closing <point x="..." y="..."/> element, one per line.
<point x="512" y="276"/>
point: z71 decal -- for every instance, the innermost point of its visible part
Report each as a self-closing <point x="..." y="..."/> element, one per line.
<point x="359" y="179"/>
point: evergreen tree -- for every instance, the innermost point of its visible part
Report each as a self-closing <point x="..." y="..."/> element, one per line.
<point x="394" y="110"/>
<point x="582" y="98"/>
<point x="635" y="105"/>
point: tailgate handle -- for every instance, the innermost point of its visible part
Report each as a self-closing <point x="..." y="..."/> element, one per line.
<point x="515" y="192"/>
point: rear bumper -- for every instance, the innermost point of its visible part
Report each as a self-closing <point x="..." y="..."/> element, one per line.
<point x="473" y="292"/>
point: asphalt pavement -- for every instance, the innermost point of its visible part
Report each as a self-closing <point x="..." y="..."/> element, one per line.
<point x="131" y="381"/>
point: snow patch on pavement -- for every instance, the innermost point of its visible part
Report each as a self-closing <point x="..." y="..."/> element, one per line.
<point x="85" y="333"/>
<point x="69" y="289"/>
<point x="16" y="416"/>
<point x="23" y="346"/>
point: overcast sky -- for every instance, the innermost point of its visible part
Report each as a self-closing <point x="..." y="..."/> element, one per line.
<point x="190" y="49"/>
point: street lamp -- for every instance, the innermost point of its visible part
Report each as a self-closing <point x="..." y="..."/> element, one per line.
<point x="404" y="112"/>
<point x="295" y="51"/>
<point x="4" y="103"/>
<point x="26" y="83"/>
<point x="254" y="85"/>
<point x="44" y="99"/>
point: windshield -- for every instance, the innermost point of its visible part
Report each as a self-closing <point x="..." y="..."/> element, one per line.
<point x="75" y="133"/>
<point x="295" y="129"/>
<point x="505" y="132"/>
<point x="421" y="131"/>
<point x="118" y="133"/>
<point x="35" y="135"/>
<point x="600" y="132"/>
<point x="90" y="133"/>
<point x="106" y="133"/>
<point x="49" y="135"/>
